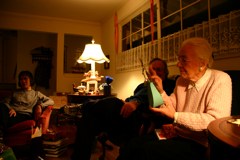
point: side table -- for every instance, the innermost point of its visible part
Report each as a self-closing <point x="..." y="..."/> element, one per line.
<point x="75" y="98"/>
<point x="224" y="139"/>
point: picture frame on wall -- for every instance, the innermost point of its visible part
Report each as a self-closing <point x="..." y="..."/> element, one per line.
<point x="73" y="48"/>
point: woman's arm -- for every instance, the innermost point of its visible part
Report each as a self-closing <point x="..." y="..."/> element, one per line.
<point x="44" y="101"/>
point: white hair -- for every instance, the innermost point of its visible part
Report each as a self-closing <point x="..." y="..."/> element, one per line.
<point x="202" y="48"/>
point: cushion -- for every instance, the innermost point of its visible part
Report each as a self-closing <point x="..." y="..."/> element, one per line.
<point x="25" y="125"/>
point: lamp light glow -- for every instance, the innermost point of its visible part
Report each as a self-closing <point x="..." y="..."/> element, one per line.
<point x="92" y="53"/>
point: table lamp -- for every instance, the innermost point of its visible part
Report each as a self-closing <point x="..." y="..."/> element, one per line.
<point x="92" y="53"/>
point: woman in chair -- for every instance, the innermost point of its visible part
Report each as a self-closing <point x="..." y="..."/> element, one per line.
<point x="25" y="103"/>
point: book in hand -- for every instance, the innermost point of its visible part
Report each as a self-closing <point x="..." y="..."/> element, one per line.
<point x="154" y="97"/>
<point x="167" y="131"/>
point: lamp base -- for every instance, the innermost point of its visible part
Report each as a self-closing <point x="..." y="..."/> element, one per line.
<point x="92" y="85"/>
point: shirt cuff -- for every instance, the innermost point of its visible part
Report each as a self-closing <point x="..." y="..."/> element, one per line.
<point x="175" y="117"/>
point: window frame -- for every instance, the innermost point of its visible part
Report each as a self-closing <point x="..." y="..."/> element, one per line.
<point x="144" y="9"/>
<point x="160" y="33"/>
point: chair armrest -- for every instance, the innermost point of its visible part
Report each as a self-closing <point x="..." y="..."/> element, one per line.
<point x="45" y="119"/>
<point x="30" y="124"/>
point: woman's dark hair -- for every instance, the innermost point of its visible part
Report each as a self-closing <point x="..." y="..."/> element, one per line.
<point x="28" y="74"/>
<point x="164" y="63"/>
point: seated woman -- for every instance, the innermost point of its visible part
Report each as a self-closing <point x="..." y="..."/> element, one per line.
<point x="23" y="103"/>
<point x="201" y="95"/>
<point x="20" y="106"/>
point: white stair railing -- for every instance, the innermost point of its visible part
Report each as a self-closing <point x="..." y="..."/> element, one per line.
<point x="223" y="33"/>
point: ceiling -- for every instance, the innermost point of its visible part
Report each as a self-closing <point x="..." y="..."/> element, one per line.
<point x="85" y="10"/>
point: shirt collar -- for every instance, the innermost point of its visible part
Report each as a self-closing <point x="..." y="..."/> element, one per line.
<point x="198" y="85"/>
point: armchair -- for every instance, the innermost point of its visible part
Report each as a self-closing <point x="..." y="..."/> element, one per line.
<point x="21" y="134"/>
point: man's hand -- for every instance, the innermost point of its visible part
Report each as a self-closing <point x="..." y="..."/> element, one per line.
<point x="12" y="112"/>
<point x="128" y="108"/>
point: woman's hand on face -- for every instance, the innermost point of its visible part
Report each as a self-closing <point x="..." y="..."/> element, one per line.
<point x="128" y="108"/>
<point x="156" y="79"/>
<point x="12" y="112"/>
<point x="164" y="110"/>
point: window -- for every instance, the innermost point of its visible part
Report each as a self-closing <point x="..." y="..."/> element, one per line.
<point x="216" y="20"/>
<point x="170" y="17"/>
<point x="181" y="15"/>
<point x="137" y="31"/>
<point x="174" y="17"/>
